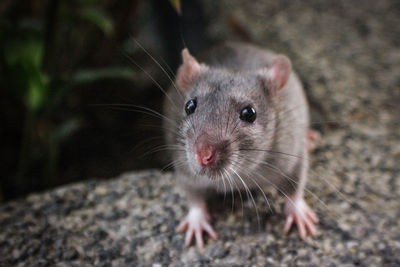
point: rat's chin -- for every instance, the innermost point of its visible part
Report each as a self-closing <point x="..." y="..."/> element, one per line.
<point x="209" y="172"/>
<point x="213" y="171"/>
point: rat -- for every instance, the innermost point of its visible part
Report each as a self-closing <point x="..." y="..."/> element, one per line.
<point x="238" y="120"/>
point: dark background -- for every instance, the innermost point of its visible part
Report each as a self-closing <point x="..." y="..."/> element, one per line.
<point x="70" y="72"/>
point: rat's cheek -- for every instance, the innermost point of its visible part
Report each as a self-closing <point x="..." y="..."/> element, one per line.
<point x="190" y="160"/>
<point x="189" y="133"/>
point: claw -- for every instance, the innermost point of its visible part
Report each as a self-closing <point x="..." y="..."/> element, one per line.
<point x="298" y="212"/>
<point x="312" y="138"/>
<point x="195" y="222"/>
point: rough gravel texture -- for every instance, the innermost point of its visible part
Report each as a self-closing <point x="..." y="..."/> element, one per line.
<point x="347" y="54"/>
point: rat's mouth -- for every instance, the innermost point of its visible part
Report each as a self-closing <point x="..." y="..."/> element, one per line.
<point x="211" y="173"/>
<point x="217" y="169"/>
<point x="210" y="156"/>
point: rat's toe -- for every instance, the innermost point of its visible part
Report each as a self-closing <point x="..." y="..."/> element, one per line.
<point x="298" y="212"/>
<point x="195" y="222"/>
<point x="208" y="228"/>
<point x="312" y="139"/>
<point x="182" y="226"/>
<point x="288" y="224"/>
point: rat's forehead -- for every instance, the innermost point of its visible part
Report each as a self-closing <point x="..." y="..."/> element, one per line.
<point x="225" y="84"/>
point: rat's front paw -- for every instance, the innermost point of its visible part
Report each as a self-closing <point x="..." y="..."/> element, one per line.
<point x="297" y="211"/>
<point x="195" y="222"/>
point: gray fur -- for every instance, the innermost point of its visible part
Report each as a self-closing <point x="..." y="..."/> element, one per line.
<point x="232" y="82"/>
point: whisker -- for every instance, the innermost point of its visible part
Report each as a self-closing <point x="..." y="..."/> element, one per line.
<point x="249" y="195"/>
<point x="240" y="193"/>
<point x="142" y="109"/>
<point x="272" y="151"/>
<point x="161" y="148"/>
<point x="231" y="186"/>
<point x="153" y="80"/>
<point x="248" y="175"/>
<point x="168" y="165"/>
<point x="223" y="181"/>
<point x="162" y="128"/>
<point x="158" y="64"/>
<point x="279" y="171"/>
<point x="262" y="191"/>
<point x="277" y="188"/>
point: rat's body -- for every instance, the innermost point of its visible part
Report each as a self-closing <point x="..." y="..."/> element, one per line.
<point x="244" y="124"/>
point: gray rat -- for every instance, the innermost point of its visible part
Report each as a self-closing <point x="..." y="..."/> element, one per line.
<point x="238" y="120"/>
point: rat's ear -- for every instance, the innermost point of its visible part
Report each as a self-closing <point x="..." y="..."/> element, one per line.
<point x="188" y="71"/>
<point x="276" y="76"/>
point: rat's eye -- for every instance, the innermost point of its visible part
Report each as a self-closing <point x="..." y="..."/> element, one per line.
<point x="190" y="106"/>
<point x="248" y="114"/>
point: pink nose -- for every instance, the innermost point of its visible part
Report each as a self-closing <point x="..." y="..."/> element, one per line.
<point x="206" y="156"/>
<point x="205" y="151"/>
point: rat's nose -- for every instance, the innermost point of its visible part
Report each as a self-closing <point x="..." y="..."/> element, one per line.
<point x="206" y="155"/>
<point x="205" y="151"/>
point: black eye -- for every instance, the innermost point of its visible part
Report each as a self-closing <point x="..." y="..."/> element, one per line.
<point x="248" y="114"/>
<point x="190" y="106"/>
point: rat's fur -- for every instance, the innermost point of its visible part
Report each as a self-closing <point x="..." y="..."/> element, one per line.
<point x="270" y="151"/>
<point x="231" y="82"/>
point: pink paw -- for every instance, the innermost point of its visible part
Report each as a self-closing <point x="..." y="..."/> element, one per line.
<point x="195" y="222"/>
<point x="297" y="211"/>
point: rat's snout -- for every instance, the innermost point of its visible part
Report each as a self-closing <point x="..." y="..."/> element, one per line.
<point x="205" y="150"/>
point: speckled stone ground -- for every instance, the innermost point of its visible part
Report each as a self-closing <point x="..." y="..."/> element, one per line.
<point x="347" y="53"/>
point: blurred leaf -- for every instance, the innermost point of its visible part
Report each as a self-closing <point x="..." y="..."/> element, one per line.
<point x="177" y="5"/>
<point x="24" y="51"/>
<point x="24" y="57"/>
<point x="106" y="73"/>
<point x="98" y="18"/>
<point x="66" y="129"/>
<point x="37" y="90"/>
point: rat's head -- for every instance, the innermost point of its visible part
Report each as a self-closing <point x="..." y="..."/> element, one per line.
<point x="228" y="118"/>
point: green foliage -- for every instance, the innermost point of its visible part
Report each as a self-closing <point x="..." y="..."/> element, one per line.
<point x="25" y="46"/>
<point x="98" y="18"/>
<point x="87" y="76"/>
<point x="23" y="57"/>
